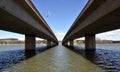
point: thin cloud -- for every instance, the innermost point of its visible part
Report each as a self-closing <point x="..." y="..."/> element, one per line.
<point x="60" y="35"/>
<point x="112" y="35"/>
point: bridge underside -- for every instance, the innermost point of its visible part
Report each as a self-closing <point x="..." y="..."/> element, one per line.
<point x="104" y="24"/>
<point x="22" y="17"/>
<point x="98" y="16"/>
<point x="11" y="23"/>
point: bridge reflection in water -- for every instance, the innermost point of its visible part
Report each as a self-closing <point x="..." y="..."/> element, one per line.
<point x="56" y="59"/>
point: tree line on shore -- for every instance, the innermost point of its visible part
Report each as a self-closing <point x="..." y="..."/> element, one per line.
<point x="98" y="41"/>
<point x="16" y="41"/>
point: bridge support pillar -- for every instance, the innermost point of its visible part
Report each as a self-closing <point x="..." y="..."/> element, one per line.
<point x="30" y="42"/>
<point x="55" y="44"/>
<point x="64" y="43"/>
<point x="48" y="42"/>
<point x="71" y="42"/>
<point x="90" y="43"/>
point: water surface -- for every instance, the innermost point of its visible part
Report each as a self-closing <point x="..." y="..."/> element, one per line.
<point x="56" y="59"/>
<point x="106" y="58"/>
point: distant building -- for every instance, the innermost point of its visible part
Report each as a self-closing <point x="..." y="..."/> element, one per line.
<point x="98" y="41"/>
<point x="79" y="41"/>
<point x="60" y="42"/>
<point x="104" y="41"/>
<point x="116" y="41"/>
<point x="11" y="41"/>
<point x="16" y="41"/>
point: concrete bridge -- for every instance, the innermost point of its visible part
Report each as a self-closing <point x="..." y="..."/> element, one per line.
<point x="21" y="16"/>
<point x="97" y="16"/>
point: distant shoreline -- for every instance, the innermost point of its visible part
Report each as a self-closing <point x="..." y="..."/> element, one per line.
<point x="20" y="44"/>
<point x="12" y="44"/>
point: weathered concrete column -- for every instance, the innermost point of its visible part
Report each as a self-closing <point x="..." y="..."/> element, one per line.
<point x="30" y="42"/>
<point x="71" y="42"/>
<point x="48" y="42"/>
<point x="90" y="43"/>
<point x="55" y="44"/>
<point x="66" y="43"/>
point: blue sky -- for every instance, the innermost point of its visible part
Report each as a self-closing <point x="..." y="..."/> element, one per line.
<point x="60" y="15"/>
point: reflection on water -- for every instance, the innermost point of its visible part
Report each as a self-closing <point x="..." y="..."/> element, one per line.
<point x="56" y="59"/>
<point x="59" y="59"/>
<point x="14" y="54"/>
<point x="10" y="58"/>
<point x="113" y="47"/>
<point x="108" y="60"/>
<point x="10" y="47"/>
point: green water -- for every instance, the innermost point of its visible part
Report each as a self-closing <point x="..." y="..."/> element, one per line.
<point x="57" y="59"/>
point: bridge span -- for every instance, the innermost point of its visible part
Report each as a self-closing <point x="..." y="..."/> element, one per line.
<point x="21" y="16"/>
<point x="97" y="16"/>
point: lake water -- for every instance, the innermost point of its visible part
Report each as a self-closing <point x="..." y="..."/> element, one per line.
<point x="106" y="58"/>
<point x="114" y="47"/>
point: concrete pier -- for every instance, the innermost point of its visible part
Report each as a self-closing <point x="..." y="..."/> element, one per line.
<point x="71" y="42"/>
<point x="54" y="44"/>
<point x="90" y="43"/>
<point x="98" y="16"/>
<point x="66" y="43"/>
<point x="30" y="22"/>
<point x="30" y="42"/>
<point x="49" y="43"/>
